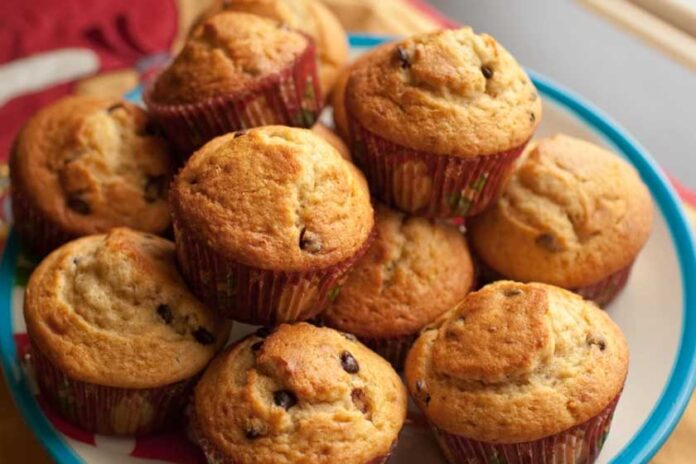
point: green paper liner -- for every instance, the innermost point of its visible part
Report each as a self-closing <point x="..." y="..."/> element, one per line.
<point x="215" y="456"/>
<point x="253" y="295"/>
<point x="110" y="410"/>
<point x="578" y="445"/>
<point x="290" y="97"/>
<point x="427" y="184"/>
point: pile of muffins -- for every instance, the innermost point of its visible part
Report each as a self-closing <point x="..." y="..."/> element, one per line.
<point x="351" y="255"/>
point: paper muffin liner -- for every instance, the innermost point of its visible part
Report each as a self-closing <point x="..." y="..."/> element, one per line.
<point x="601" y="292"/>
<point x="393" y="349"/>
<point x="605" y="290"/>
<point x="110" y="410"/>
<point x="427" y="184"/>
<point x="215" y="456"/>
<point x="578" y="445"/>
<point x="254" y="295"/>
<point x="290" y="97"/>
<point x="39" y="233"/>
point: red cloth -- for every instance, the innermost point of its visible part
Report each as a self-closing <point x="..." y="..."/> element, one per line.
<point x="119" y="32"/>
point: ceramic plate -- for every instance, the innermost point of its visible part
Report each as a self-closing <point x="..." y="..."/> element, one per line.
<point x="657" y="312"/>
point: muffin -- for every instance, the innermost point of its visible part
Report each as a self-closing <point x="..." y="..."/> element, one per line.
<point x="84" y="165"/>
<point x="236" y="71"/>
<point x="267" y="223"/>
<point x="299" y="394"/>
<point x="414" y="271"/>
<point x="572" y="215"/>
<point x="333" y="139"/>
<point x="519" y="373"/>
<point x="118" y="341"/>
<point x="437" y="120"/>
<point x="308" y="16"/>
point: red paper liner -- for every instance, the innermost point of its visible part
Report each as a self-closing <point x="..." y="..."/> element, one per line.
<point x="290" y="97"/>
<point x="605" y="290"/>
<point x="110" y="410"/>
<point x="215" y="456"/>
<point x="254" y="295"/>
<point x="579" y="444"/>
<point x="393" y="350"/>
<point x="38" y="233"/>
<point x="427" y="184"/>
<point x="601" y="292"/>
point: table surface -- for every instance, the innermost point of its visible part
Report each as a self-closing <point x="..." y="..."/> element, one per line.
<point x="648" y="93"/>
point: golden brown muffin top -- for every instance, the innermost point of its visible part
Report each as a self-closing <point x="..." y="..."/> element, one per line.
<point x="113" y="310"/>
<point x="274" y="197"/>
<point x="92" y="163"/>
<point x="227" y="53"/>
<point x="302" y="394"/>
<point x="450" y="92"/>
<point x="415" y="270"/>
<point x="517" y="362"/>
<point x="309" y="16"/>
<point x="334" y="140"/>
<point x="571" y="214"/>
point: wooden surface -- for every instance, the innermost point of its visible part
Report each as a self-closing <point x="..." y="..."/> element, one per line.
<point x="17" y="443"/>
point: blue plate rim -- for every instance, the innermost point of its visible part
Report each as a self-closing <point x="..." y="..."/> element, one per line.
<point x="665" y="414"/>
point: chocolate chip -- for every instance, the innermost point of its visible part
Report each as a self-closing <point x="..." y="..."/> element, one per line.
<point x="349" y="336"/>
<point x="238" y="134"/>
<point x="309" y="241"/>
<point x="359" y="399"/>
<point x="154" y="188"/>
<point x="263" y="332"/>
<point x="165" y="313"/>
<point x="509" y="292"/>
<point x="597" y="340"/>
<point x="252" y="432"/>
<point x="532" y="117"/>
<point x="79" y="205"/>
<point x="404" y="57"/>
<point x="76" y="261"/>
<point x="203" y="337"/>
<point x="349" y="363"/>
<point x="256" y="346"/>
<point x="114" y="107"/>
<point x="422" y="391"/>
<point x="285" y="399"/>
<point x="548" y="241"/>
<point x="487" y="71"/>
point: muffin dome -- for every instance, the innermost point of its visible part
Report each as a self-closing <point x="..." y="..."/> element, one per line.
<point x="450" y="92"/>
<point x="517" y="362"/>
<point x="309" y="16"/>
<point x="572" y="213"/>
<point x="415" y="270"/>
<point x="113" y="310"/>
<point x="300" y="394"/>
<point x="274" y="198"/>
<point x="84" y="165"/>
<point x="227" y="53"/>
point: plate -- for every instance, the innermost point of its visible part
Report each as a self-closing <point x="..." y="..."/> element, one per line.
<point x="657" y="312"/>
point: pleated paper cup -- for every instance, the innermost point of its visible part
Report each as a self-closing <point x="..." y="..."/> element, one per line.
<point x="428" y="184"/>
<point x="290" y="97"/>
<point x="393" y="349"/>
<point x="254" y="295"/>
<point x="578" y="445"/>
<point x="110" y="410"/>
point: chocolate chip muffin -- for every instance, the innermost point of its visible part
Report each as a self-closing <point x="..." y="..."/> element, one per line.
<point x="267" y="223"/>
<point x="299" y="394"/>
<point x="414" y="271"/>
<point x="519" y="373"/>
<point x="437" y="120"/>
<point x="236" y="70"/>
<point x="573" y="215"/>
<point x="117" y="338"/>
<point x="308" y="16"/>
<point x="84" y="165"/>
